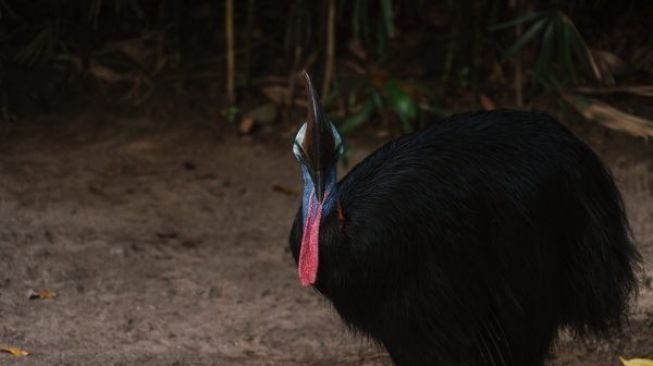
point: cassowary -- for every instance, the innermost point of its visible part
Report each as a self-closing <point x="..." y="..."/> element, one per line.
<point x="469" y="243"/>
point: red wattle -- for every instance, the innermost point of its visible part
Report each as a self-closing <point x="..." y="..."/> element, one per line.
<point x="308" y="252"/>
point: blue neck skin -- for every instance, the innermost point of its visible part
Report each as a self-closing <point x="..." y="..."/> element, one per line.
<point x="330" y="192"/>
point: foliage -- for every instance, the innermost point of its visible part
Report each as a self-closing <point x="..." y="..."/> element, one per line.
<point x="229" y="113"/>
<point x="561" y="48"/>
<point x="394" y="101"/>
<point x="371" y="31"/>
<point x="133" y="48"/>
<point x="41" y="48"/>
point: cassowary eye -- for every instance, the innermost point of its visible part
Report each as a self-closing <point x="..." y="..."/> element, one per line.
<point x="299" y="153"/>
<point x="297" y="149"/>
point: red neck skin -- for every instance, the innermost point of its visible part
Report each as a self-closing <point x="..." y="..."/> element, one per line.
<point x="309" y="250"/>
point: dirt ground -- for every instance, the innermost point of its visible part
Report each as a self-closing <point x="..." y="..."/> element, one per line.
<point x="167" y="246"/>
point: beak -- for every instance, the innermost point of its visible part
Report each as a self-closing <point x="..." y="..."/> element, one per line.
<point x="318" y="183"/>
<point x="319" y="141"/>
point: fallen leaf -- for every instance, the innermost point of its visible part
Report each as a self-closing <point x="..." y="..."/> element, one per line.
<point x="641" y="90"/>
<point x="246" y="125"/>
<point x="266" y="113"/>
<point x="610" y="62"/>
<point x="486" y="102"/>
<point x="354" y="66"/>
<point x="14" y="351"/>
<point x="275" y="93"/>
<point x="613" y="118"/>
<point x="382" y="133"/>
<point x="285" y="190"/>
<point x="44" y="294"/>
<point x="106" y="74"/>
<point x="636" y="362"/>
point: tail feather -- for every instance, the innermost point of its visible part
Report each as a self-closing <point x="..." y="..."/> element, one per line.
<point x="599" y="278"/>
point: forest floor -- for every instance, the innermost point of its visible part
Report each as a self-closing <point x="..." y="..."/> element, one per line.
<point x="167" y="245"/>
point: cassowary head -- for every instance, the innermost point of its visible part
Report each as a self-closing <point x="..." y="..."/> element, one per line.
<point x="317" y="147"/>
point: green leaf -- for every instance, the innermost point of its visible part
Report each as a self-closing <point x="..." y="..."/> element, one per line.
<point x="356" y="20"/>
<point x="566" y="52"/>
<point x="548" y="42"/>
<point x="524" y="18"/>
<point x="548" y="80"/>
<point x="407" y="126"/>
<point x="381" y="38"/>
<point x="525" y="38"/>
<point x="581" y="50"/>
<point x="376" y="98"/>
<point x="359" y="118"/>
<point x="40" y="48"/>
<point x="388" y="17"/>
<point x="230" y="113"/>
<point x="402" y="104"/>
<point x="351" y="100"/>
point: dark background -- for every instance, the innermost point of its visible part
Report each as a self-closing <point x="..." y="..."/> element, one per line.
<point x="146" y="175"/>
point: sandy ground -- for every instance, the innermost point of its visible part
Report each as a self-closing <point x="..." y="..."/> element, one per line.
<point x="167" y="247"/>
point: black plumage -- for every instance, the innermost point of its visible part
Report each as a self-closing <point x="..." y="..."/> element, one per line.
<point x="473" y="242"/>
